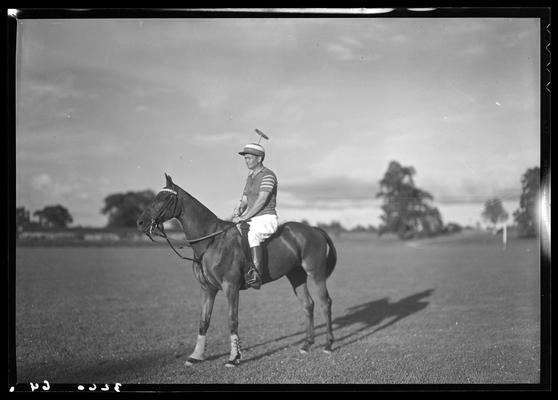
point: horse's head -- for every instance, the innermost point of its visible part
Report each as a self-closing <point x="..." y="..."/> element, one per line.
<point x="164" y="207"/>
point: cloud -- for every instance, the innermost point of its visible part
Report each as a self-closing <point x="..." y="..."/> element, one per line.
<point x="52" y="91"/>
<point x="466" y="26"/>
<point x="46" y="185"/>
<point x="141" y="108"/>
<point x="339" y="191"/>
<point x="343" y="192"/>
<point x="342" y="52"/>
<point x="349" y="218"/>
<point x="41" y="182"/>
<point x="469" y="190"/>
<point x="211" y="138"/>
<point x="364" y="160"/>
<point x="350" y="49"/>
<point x="399" y="39"/>
<point x="472" y="50"/>
<point x="510" y="194"/>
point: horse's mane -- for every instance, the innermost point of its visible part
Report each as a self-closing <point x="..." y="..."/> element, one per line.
<point x="199" y="204"/>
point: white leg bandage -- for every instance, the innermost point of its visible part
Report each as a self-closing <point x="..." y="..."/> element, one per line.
<point x="235" y="346"/>
<point x="199" y="349"/>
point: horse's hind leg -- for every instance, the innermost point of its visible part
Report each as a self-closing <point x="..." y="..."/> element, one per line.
<point x="325" y="302"/>
<point x="298" y="278"/>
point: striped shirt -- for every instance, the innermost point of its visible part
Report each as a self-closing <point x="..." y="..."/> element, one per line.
<point x="264" y="180"/>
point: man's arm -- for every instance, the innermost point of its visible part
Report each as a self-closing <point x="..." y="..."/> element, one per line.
<point x="241" y="207"/>
<point x="256" y="207"/>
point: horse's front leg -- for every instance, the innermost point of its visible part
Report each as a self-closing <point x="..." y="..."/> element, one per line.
<point x="208" y="299"/>
<point x="232" y="293"/>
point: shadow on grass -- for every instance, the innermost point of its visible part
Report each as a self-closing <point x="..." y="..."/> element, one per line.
<point x="362" y="321"/>
<point x="370" y="315"/>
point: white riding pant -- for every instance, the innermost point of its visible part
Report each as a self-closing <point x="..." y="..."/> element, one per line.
<point x="261" y="227"/>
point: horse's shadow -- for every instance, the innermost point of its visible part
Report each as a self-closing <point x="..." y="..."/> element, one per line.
<point x="362" y="321"/>
<point x="370" y="315"/>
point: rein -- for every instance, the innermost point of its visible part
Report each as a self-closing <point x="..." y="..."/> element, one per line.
<point x="164" y="235"/>
<point x="189" y="242"/>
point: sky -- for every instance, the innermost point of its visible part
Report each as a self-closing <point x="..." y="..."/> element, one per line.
<point x="111" y="105"/>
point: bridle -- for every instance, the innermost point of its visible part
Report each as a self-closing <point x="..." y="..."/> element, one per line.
<point x="159" y="225"/>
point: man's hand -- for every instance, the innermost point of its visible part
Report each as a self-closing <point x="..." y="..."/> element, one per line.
<point x="236" y="219"/>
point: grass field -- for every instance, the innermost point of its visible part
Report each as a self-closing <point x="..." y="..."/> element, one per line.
<point x="456" y="310"/>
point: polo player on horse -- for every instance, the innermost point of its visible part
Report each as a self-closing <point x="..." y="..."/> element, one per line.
<point x="257" y="208"/>
<point x="297" y="251"/>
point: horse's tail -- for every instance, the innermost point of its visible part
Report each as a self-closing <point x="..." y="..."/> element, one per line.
<point x="332" y="253"/>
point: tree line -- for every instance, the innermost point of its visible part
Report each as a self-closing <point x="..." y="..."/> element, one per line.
<point x="122" y="210"/>
<point x="407" y="211"/>
<point x="55" y="216"/>
<point x="526" y="216"/>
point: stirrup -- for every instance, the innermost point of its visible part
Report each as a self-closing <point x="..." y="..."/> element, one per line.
<point x="253" y="278"/>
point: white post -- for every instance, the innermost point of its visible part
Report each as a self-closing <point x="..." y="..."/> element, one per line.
<point x="505" y="235"/>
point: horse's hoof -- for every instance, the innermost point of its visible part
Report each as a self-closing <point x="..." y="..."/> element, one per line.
<point x="234" y="362"/>
<point x="191" y="361"/>
<point x="304" y="349"/>
<point x="230" y="364"/>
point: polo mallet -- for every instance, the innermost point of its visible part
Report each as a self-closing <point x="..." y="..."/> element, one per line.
<point x="262" y="135"/>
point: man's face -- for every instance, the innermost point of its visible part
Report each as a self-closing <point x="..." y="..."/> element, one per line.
<point x="251" y="160"/>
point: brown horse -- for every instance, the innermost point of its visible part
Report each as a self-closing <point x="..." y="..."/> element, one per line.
<point x="296" y="250"/>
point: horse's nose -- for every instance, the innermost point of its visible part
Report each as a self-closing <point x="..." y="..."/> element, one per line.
<point x="139" y="223"/>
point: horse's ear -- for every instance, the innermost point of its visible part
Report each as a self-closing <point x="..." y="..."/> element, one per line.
<point x="169" y="180"/>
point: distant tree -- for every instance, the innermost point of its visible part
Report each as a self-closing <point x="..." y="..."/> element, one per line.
<point x="407" y="209"/>
<point x="56" y="216"/>
<point x="22" y="217"/>
<point x="453" y="227"/>
<point x="363" y="229"/>
<point x="494" y="212"/>
<point x="334" y="227"/>
<point x="359" y="229"/>
<point x="123" y="209"/>
<point x="526" y="215"/>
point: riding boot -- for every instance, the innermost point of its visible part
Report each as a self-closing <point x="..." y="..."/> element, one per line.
<point x="253" y="278"/>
